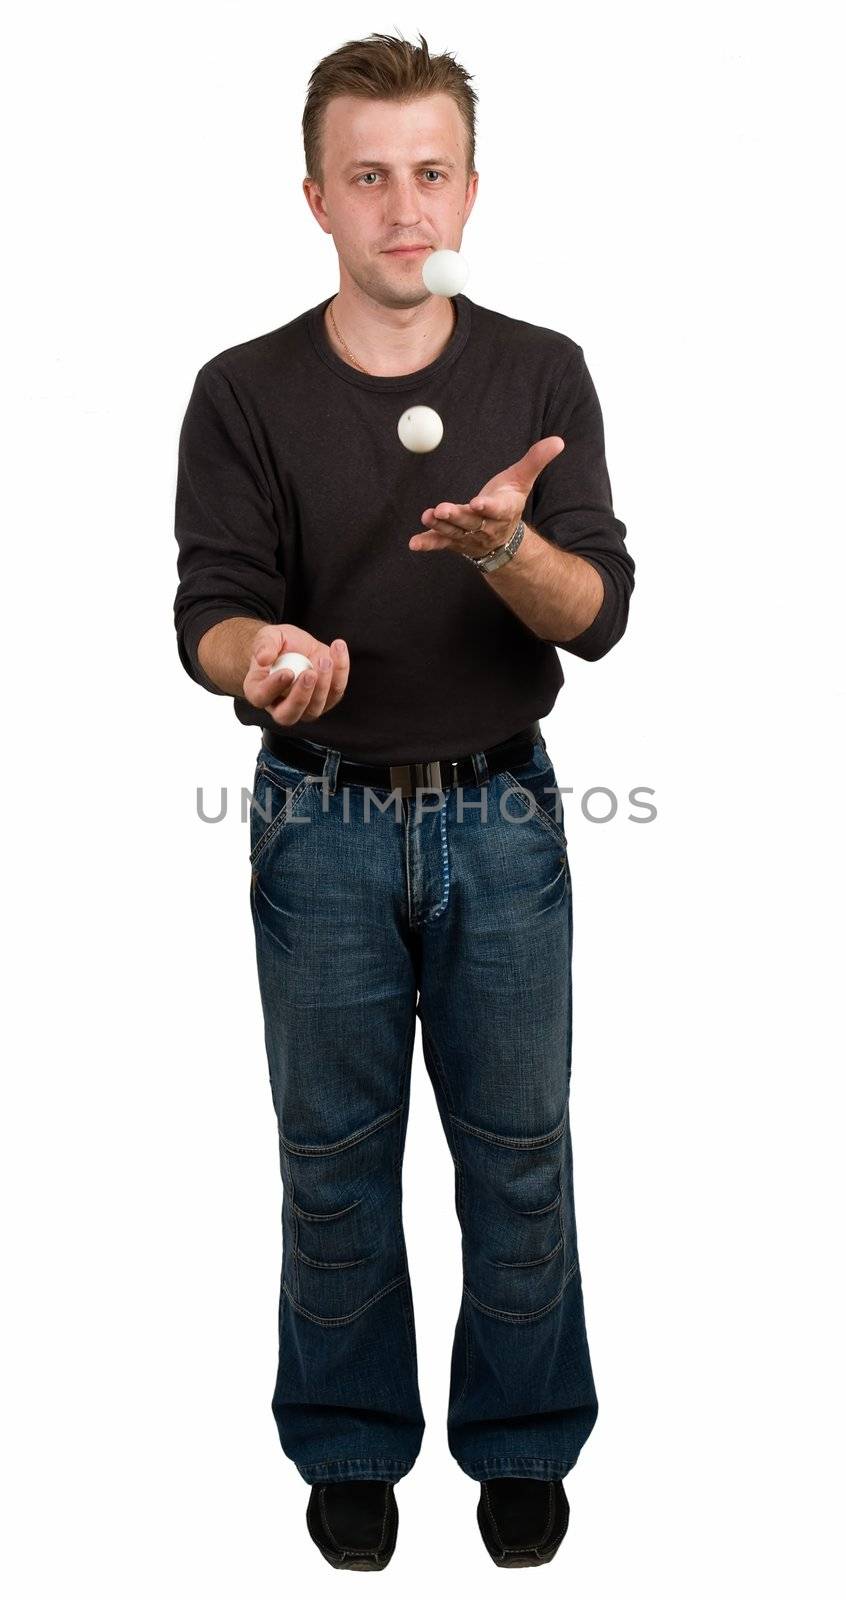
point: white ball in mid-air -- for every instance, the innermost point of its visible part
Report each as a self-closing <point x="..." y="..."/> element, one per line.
<point x="291" y="658"/>
<point x="420" y="429"/>
<point x="445" y="272"/>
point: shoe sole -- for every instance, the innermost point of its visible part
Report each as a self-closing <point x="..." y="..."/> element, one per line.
<point x="352" y="1566"/>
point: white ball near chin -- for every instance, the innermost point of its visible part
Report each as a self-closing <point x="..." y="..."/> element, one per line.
<point x="445" y="272"/>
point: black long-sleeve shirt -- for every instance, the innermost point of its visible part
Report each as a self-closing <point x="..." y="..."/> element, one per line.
<point x="296" y="500"/>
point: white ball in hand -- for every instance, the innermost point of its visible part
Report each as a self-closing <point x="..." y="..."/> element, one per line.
<point x="445" y="272"/>
<point x="420" y="429"/>
<point x="291" y="658"/>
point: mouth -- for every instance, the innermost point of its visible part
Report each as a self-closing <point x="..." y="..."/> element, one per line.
<point x="407" y="250"/>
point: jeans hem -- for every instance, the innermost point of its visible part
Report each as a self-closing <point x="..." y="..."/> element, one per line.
<point x="378" y="1468"/>
<point x="515" y="1467"/>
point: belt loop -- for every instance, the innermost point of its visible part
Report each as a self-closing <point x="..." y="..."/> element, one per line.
<point x="330" y="769"/>
<point x="480" y="766"/>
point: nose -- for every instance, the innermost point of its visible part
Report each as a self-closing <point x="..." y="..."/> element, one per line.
<point x="403" y="206"/>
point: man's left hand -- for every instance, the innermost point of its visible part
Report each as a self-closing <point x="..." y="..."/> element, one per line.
<point x="489" y="519"/>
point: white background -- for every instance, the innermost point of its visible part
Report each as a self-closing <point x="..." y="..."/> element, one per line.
<point x="663" y="184"/>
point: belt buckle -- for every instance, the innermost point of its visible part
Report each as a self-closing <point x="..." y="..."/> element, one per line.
<point x="416" y="775"/>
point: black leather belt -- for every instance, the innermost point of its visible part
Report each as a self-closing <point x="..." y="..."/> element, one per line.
<point x="408" y="776"/>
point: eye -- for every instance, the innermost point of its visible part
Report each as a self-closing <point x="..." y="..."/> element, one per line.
<point x="434" y="170"/>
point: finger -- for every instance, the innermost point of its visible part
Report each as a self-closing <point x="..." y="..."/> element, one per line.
<point x="290" y="709"/>
<point x="340" y="676"/>
<point x="448" y="518"/>
<point x="539" y="457"/>
<point x="484" y="511"/>
<point x="267" y="652"/>
<point x="320" y="693"/>
<point x="455" y="532"/>
<point x="273" y="685"/>
<point x="449" y="534"/>
<point x="468" y="517"/>
<point x="327" y="685"/>
<point x="430" y="541"/>
<point x="456" y="525"/>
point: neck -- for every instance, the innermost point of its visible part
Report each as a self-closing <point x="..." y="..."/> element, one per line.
<point x="389" y="342"/>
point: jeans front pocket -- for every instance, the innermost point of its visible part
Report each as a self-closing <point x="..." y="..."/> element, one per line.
<point x="533" y="785"/>
<point x="276" y="792"/>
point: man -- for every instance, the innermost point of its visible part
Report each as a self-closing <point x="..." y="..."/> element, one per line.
<point x="408" y="853"/>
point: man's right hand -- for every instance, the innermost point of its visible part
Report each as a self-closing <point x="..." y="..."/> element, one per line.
<point x="306" y="697"/>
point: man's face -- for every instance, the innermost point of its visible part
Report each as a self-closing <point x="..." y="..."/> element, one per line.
<point x="393" y="175"/>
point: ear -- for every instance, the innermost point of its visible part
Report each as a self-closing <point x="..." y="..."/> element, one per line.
<point x="316" y="203"/>
<point x="470" y="198"/>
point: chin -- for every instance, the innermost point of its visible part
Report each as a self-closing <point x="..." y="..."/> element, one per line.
<point x="393" y="294"/>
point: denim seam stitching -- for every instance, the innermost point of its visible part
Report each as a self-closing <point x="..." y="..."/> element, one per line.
<point x="342" y="1144"/>
<point x="562" y="1196"/>
<point x="328" y="1322"/>
<point x="325" y="1216"/>
<point x="516" y="1142"/>
<point x="357" y="1461"/>
<point x="286" y="1168"/>
<point x="511" y="1461"/>
<point x="444" y="1082"/>
<point x="299" y="1255"/>
<point x="453" y="1145"/>
<point x="436" y="911"/>
<point x="541" y="1261"/>
<point x="535" y="810"/>
<point x="520" y="1316"/>
<point x="284" y="817"/>
<point x="541" y="1211"/>
<point x="335" y="1266"/>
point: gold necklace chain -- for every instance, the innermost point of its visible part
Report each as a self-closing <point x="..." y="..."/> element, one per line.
<point x="347" y="348"/>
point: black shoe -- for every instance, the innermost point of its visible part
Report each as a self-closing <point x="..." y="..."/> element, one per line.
<point x="522" y="1520"/>
<point x="354" y="1523"/>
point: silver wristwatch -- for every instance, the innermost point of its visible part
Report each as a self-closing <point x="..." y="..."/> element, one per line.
<point x="503" y="552"/>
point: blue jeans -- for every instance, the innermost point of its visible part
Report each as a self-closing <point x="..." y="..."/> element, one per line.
<point x="363" y="924"/>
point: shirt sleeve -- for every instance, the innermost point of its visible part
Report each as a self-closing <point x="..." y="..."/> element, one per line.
<point x="573" y="509"/>
<point x="229" y="554"/>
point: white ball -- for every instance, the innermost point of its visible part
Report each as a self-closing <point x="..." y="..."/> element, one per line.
<point x="420" y="429"/>
<point x="291" y="658"/>
<point x="445" y="272"/>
